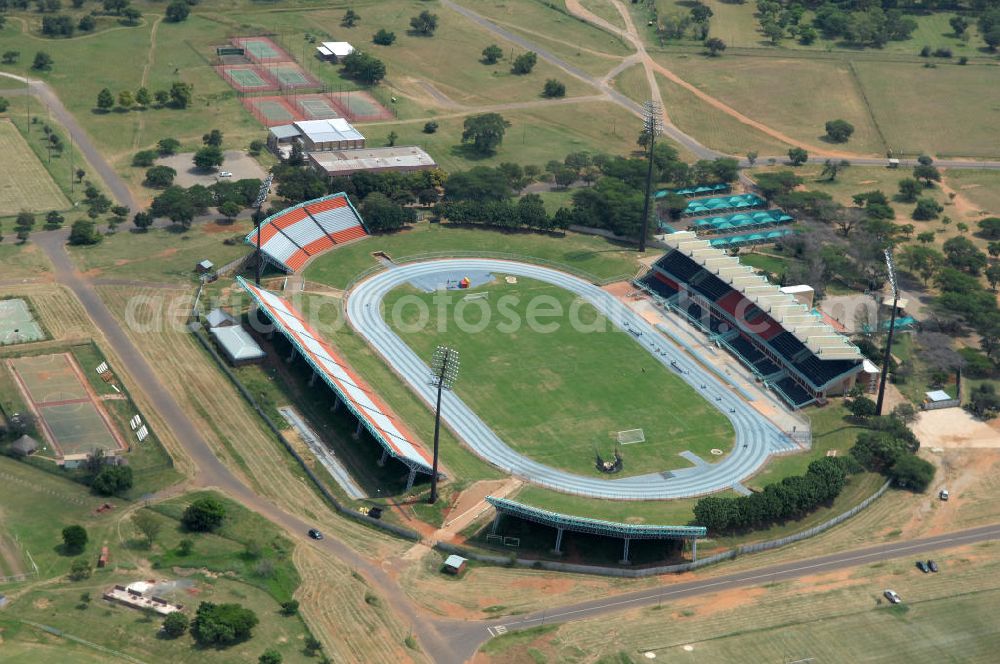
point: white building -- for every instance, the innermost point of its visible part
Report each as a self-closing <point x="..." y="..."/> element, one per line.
<point x="334" y="51"/>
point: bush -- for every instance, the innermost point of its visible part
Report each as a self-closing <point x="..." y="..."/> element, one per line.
<point x="290" y="608"/>
<point x="384" y="38"/>
<point x="80" y="569"/>
<point x="74" y="538"/>
<point x="204" y="515"/>
<point x="113" y="480"/>
<point x="222" y="624"/>
<point x="912" y="472"/>
<point x="554" y="88"/>
<point x="84" y="232"/>
<point x="839" y="131"/>
<point x="144" y="159"/>
<point x="175" y="624"/>
<point x="159" y="177"/>
<point x="430" y="127"/>
<point x="177" y="11"/>
<point x="524" y="63"/>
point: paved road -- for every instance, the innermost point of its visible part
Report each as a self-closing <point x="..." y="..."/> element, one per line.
<point x="115" y="184"/>
<point x="755" y="436"/>
<point x="471" y="638"/>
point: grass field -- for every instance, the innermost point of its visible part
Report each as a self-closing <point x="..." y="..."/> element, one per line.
<point x="605" y="10"/>
<point x="28" y="186"/>
<point x="770" y="90"/>
<point x="584" y="253"/>
<point x="943" y="613"/>
<point x="23" y="261"/>
<point x="981" y="188"/>
<point x="572" y="401"/>
<point x="632" y="83"/>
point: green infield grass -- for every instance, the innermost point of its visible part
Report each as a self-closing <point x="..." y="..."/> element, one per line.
<point x="559" y="396"/>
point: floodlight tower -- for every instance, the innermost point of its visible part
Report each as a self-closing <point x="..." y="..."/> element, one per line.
<point x="651" y="126"/>
<point x="444" y="371"/>
<point x="265" y="187"/>
<point x="892" y="326"/>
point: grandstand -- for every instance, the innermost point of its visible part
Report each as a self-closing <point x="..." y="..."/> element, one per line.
<point x="291" y="237"/>
<point x="348" y="388"/>
<point x="785" y="344"/>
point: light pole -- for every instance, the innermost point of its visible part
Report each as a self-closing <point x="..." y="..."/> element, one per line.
<point x="650" y="127"/>
<point x="444" y="371"/>
<point x="265" y="187"/>
<point x="892" y="326"/>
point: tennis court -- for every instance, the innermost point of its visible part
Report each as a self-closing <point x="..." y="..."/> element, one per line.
<point x="271" y="111"/>
<point x="247" y="78"/>
<point x="262" y="49"/>
<point x="290" y="75"/>
<point x="69" y="414"/>
<point x="361" y="106"/>
<point x="317" y="107"/>
<point x="17" y="325"/>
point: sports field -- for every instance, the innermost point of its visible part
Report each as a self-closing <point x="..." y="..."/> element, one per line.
<point x="26" y="184"/>
<point x="70" y="416"/>
<point x="270" y="111"/>
<point x="584" y="387"/>
<point x="17" y="325"/>
<point x="290" y="75"/>
<point x="262" y="49"/>
<point x="246" y="77"/>
<point x="358" y="105"/>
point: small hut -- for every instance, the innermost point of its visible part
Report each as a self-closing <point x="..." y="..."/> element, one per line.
<point x="24" y="446"/>
<point x="455" y="564"/>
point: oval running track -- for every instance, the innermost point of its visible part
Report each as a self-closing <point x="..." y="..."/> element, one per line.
<point x="756" y="437"/>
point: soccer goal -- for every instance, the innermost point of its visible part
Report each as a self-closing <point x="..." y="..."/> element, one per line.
<point x="631" y="436"/>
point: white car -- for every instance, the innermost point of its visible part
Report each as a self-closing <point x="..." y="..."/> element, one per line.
<point x="225" y="174"/>
<point x="892" y="596"/>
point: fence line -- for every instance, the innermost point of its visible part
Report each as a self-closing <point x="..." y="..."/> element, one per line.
<point x="320" y="486"/>
<point x="625" y="572"/>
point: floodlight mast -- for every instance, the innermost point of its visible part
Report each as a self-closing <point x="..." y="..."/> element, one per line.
<point x="892" y="327"/>
<point x="651" y="126"/>
<point x="265" y="188"/>
<point x="444" y="372"/>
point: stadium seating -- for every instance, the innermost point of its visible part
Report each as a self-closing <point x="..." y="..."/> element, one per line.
<point x="654" y="282"/>
<point x="795" y="393"/>
<point x="710" y="286"/>
<point x="678" y="265"/>
<point x="290" y="237"/>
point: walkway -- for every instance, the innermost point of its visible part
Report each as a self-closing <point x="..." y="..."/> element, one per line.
<point x="756" y="437"/>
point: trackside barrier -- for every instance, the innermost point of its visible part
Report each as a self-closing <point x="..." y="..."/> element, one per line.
<point x="554" y="566"/>
<point x="499" y="255"/>
<point x="330" y="498"/>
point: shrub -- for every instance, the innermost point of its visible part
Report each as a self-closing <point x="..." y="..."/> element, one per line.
<point x="144" y="158"/>
<point x="113" y="480"/>
<point x="74" y="538"/>
<point x="554" y="88"/>
<point x="912" y="472"/>
<point x="204" y="515"/>
<point x="384" y="38"/>
<point x="430" y="127"/>
<point x="175" y="624"/>
<point x="222" y="624"/>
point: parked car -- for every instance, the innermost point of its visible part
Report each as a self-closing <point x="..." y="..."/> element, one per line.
<point x="922" y="566"/>
<point x="315" y="534"/>
<point x="932" y="565"/>
<point x="892" y="596"/>
<point x="225" y="174"/>
<point x="943" y="494"/>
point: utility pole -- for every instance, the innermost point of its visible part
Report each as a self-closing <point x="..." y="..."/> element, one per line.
<point x="444" y="371"/>
<point x="892" y="327"/>
<point x="650" y="127"/>
<point x="265" y="187"/>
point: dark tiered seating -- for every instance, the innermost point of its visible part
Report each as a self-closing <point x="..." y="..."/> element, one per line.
<point x="746" y="350"/>
<point x="679" y="265"/>
<point x="822" y="371"/>
<point x="710" y="286"/>
<point x="765" y="367"/>
<point x="795" y="392"/>
<point x="787" y="346"/>
<point x="654" y="282"/>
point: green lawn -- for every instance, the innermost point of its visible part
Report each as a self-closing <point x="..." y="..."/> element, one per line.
<point x="605" y="10"/>
<point x="23" y="261"/>
<point x="571" y="401"/>
<point x="632" y="83"/>
<point x="981" y="188"/>
<point x="162" y="254"/>
<point x="581" y="253"/>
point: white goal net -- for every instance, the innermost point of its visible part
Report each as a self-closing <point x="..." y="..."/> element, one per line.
<point x="631" y="436"/>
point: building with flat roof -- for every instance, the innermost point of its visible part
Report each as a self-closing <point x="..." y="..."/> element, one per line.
<point x="334" y="51"/>
<point x="374" y="160"/>
<point x="237" y="344"/>
<point x="316" y="135"/>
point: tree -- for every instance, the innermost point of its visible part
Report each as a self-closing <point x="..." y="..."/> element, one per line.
<point x="204" y="515"/>
<point x="159" y="177"/>
<point x="83" y="232"/>
<point x="161" y="97"/>
<point x="485" y="132"/>
<point x="927" y="209"/>
<point x="11" y="57"/>
<point x="839" y="131"/>
<point x="175" y="624"/>
<point x="131" y="16"/>
<point x="125" y="99"/>
<point x="57" y="26"/>
<point x="524" y="63"/>
<point x="42" y="62"/>
<point x="492" y="54"/>
<point x="270" y="656"/>
<point x="832" y="167"/>
<point x="927" y="237"/>
<point x="773" y="31"/>
<point x="909" y="189"/>
<point x="912" y="472"/>
<point x="964" y="255"/>
<point x="984" y="402"/>
<point x="989" y="228"/>
<point x="87" y="23"/>
<point x="862" y="408"/>
<point x="363" y="67"/>
<point x="80" y="569"/>
<point x="382" y="214"/>
<point x="180" y="94"/>
<point x="959" y="24"/>
<point x="167" y="146"/>
<point x="992" y="38"/>
<point x="54" y="220"/>
<point x="290" y="608"/>
<point x="430" y="127"/>
<point x="554" y="88"/>
<point x="715" y="46"/>
<point x="928" y="173"/>
<point x="208" y="157"/>
<point x="213" y="138"/>
<point x="752" y="157"/>
<point x="148" y="524"/>
<point x="424" y="24"/>
<point x="778" y="183"/>
<point x="222" y="624"/>
<point x="142" y="97"/>
<point x="230" y="209"/>
<point x="922" y="260"/>
<point x="113" y="480"/>
<point x="384" y="38"/>
<point x="391" y="139"/>
<point x="177" y="11"/>
<point x="797" y="156"/>
<point x="144" y="158"/>
<point x="531" y="212"/>
<point x="142" y="220"/>
<point x="350" y="19"/>
<point x="74" y="539"/>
